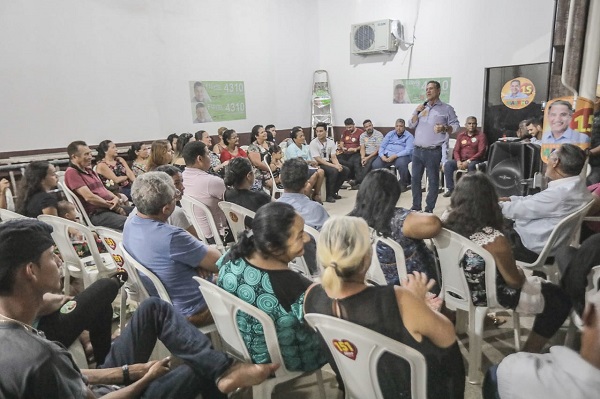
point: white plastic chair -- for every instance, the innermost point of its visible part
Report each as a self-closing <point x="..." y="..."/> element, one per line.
<point x="224" y="308"/>
<point x="357" y="363"/>
<point x="90" y="268"/>
<point x="235" y="215"/>
<point x="299" y="264"/>
<point x="274" y="189"/>
<point x="6" y="215"/>
<point x="74" y="199"/>
<point x="375" y="273"/>
<point x="451" y="248"/>
<point x="190" y="207"/>
<point x="562" y="235"/>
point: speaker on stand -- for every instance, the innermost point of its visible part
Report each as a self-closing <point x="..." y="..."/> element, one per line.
<point x="512" y="165"/>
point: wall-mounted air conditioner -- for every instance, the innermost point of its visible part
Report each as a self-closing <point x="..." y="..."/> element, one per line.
<point x="373" y="37"/>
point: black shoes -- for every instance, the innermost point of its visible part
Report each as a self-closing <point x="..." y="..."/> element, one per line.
<point x="337" y="196"/>
<point x="447" y="194"/>
<point x="330" y="199"/>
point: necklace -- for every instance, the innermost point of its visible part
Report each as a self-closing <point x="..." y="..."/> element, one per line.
<point x="24" y="325"/>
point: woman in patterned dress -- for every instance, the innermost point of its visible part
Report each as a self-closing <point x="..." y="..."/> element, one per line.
<point x="256" y="271"/>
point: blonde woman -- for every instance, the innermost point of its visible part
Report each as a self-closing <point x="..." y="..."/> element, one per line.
<point x="161" y="153"/>
<point x="401" y="313"/>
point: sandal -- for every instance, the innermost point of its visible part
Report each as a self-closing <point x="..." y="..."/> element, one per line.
<point x="317" y="198"/>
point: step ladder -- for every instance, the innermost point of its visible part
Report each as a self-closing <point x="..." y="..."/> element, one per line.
<point x="321" y="108"/>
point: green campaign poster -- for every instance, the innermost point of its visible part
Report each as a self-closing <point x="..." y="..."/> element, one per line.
<point x="217" y="101"/>
<point x="412" y="91"/>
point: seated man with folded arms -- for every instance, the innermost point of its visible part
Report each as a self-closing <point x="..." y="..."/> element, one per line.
<point x="396" y="150"/>
<point x="34" y="367"/>
<point x="535" y="216"/>
<point x="103" y="207"/>
<point x="174" y="255"/>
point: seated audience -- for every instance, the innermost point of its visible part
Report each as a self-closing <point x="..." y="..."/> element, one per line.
<point x="138" y="153"/>
<point x="172" y="139"/>
<point x="298" y="149"/>
<point x="401" y="313"/>
<point x="323" y="149"/>
<point x="66" y="210"/>
<point x="475" y="214"/>
<point x="240" y="178"/>
<point x="220" y="146"/>
<point x="178" y="160"/>
<point x="256" y="270"/>
<point x="204" y="187"/>
<point x="216" y="167"/>
<point x="35" y="197"/>
<point x="349" y="153"/>
<point x="370" y="141"/>
<point x="469" y="151"/>
<point x="396" y="150"/>
<point x="231" y="149"/>
<point x="275" y="163"/>
<point x="161" y="153"/>
<point x="535" y="216"/>
<point x="4" y="188"/>
<point x="34" y="367"/>
<point x="376" y="204"/>
<point x="562" y="373"/>
<point x="103" y="207"/>
<point x="113" y="169"/>
<point x="257" y="151"/>
<point x="174" y="255"/>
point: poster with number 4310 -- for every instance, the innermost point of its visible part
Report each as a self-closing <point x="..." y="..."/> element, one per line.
<point x="217" y="101"/>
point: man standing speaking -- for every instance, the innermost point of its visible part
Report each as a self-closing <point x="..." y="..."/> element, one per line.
<point x="433" y="121"/>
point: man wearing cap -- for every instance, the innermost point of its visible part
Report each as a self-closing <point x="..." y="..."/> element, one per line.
<point x="33" y="367"/>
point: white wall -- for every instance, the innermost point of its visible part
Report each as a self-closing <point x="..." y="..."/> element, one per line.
<point x="119" y="69"/>
<point x="456" y="38"/>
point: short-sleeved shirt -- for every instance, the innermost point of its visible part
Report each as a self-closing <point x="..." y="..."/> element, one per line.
<point x="173" y="255"/>
<point x="33" y="367"/>
<point x="313" y="213"/>
<point x="371" y="142"/>
<point x="293" y="151"/>
<point x="322" y="150"/>
<point x="76" y="178"/>
<point x="38" y="202"/>
<point x="209" y="190"/>
<point x="225" y="155"/>
<point x="351" y="139"/>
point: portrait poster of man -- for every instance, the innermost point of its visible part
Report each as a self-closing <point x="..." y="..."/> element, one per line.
<point x="518" y="93"/>
<point x="412" y="91"/>
<point x="217" y="101"/>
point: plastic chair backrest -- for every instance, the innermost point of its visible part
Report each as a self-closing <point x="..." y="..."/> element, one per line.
<point x="561" y="235"/>
<point x="5" y="215"/>
<point x="74" y="199"/>
<point x="594" y="279"/>
<point x="299" y="264"/>
<point x="356" y="351"/>
<point x="375" y="273"/>
<point x="451" y="248"/>
<point x="224" y="308"/>
<point x="136" y="268"/>
<point x="193" y="207"/>
<point x="111" y="240"/>
<point x="60" y="235"/>
<point x="235" y="214"/>
<point x="274" y="188"/>
<point x="61" y="176"/>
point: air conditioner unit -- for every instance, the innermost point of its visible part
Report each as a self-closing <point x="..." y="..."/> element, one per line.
<point x="373" y="37"/>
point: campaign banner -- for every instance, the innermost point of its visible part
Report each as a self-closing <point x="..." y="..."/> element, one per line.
<point x="217" y="101"/>
<point x="412" y="91"/>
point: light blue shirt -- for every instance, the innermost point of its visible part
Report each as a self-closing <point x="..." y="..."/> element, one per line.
<point x="173" y="255"/>
<point x="292" y="151"/>
<point x="313" y="213"/>
<point x="439" y="112"/>
<point x="400" y="146"/>
<point x="519" y="95"/>
<point x="570" y="136"/>
<point x="535" y="216"/>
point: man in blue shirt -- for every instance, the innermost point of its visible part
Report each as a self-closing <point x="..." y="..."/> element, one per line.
<point x="560" y="114"/>
<point x="170" y="252"/>
<point x="396" y="149"/>
<point x="432" y="121"/>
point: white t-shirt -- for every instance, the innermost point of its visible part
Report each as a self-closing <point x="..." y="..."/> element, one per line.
<point x="322" y="150"/>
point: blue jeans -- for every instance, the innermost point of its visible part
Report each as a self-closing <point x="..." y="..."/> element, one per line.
<point x="156" y="319"/>
<point x="429" y="160"/>
<point x="450" y="167"/>
<point x="401" y="163"/>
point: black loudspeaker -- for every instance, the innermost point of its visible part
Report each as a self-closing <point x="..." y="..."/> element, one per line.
<point x="510" y="164"/>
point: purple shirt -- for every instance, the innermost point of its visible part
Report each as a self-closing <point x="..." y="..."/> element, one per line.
<point x="441" y="113"/>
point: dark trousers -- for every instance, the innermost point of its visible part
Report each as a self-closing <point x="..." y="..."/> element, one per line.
<point x="352" y="162"/>
<point x="93" y="313"/>
<point x="334" y="178"/>
<point x="366" y="169"/>
<point x="110" y="219"/>
<point x="401" y="164"/>
<point x="156" y="319"/>
<point x="520" y="251"/>
<point x="426" y="159"/>
<point x="557" y="306"/>
<point x="450" y="167"/>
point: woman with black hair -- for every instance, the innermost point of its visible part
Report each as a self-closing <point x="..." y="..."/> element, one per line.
<point x="256" y="270"/>
<point x="113" y="169"/>
<point x="35" y="199"/>
<point x="178" y="160"/>
<point x="376" y="203"/>
<point x="239" y="178"/>
<point x="476" y="214"/>
<point x="257" y="151"/>
<point x="138" y="155"/>
<point x="231" y="150"/>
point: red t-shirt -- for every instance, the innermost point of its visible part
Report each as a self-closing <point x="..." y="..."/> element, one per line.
<point x="226" y="155"/>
